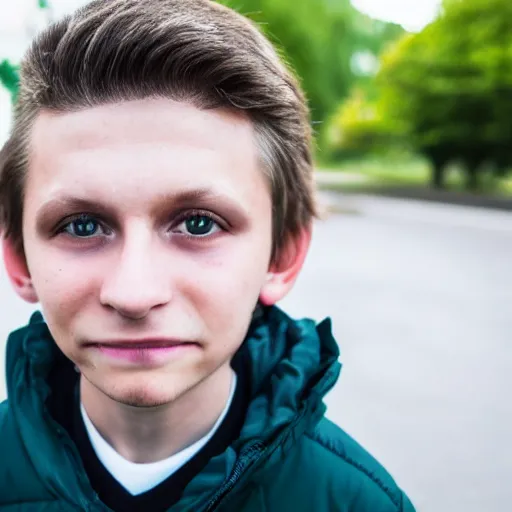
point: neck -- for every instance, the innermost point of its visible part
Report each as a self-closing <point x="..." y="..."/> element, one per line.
<point x="150" y="434"/>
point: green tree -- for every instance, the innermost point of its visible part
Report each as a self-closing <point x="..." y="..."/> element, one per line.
<point x="319" y="38"/>
<point x="450" y="87"/>
<point x="9" y="77"/>
<point x="360" y="127"/>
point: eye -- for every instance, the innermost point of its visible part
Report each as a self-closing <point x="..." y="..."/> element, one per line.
<point x="84" y="226"/>
<point x="198" y="225"/>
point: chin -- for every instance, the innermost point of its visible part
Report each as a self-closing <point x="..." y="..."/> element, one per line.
<point x="141" y="400"/>
<point x="143" y="394"/>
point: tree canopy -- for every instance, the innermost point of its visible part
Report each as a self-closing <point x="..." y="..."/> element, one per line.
<point x="319" y="39"/>
<point x="450" y="86"/>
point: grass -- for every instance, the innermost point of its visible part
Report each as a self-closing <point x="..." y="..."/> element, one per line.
<point x="410" y="172"/>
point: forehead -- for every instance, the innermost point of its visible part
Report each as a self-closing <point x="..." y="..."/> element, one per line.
<point x="147" y="120"/>
<point x="143" y="146"/>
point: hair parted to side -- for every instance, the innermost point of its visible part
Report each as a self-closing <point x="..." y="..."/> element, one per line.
<point x="186" y="50"/>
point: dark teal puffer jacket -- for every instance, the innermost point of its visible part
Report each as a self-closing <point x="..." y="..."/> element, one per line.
<point x="289" y="458"/>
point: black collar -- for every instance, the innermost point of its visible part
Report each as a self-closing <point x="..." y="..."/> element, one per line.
<point x="167" y="493"/>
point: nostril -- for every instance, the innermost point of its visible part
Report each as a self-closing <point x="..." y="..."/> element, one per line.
<point x="134" y="307"/>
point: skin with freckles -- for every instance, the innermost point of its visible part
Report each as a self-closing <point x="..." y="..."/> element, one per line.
<point x="147" y="233"/>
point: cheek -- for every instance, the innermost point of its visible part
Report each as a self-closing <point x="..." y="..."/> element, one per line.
<point x="63" y="286"/>
<point x="234" y="271"/>
<point x="224" y="289"/>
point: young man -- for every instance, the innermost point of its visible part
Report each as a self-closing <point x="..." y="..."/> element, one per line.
<point x="156" y="198"/>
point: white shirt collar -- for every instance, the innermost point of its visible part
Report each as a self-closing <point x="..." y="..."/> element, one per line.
<point x="139" y="478"/>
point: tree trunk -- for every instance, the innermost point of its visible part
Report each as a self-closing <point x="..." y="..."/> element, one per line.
<point x="438" y="175"/>
<point x="472" y="178"/>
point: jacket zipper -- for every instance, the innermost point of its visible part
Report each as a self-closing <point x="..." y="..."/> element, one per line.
<point x="251" y="454"/>
<point x="72" y="453"/>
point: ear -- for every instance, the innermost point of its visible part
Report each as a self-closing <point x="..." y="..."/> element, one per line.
<point x="17" y="271"/>
<point x="285" y="269"/>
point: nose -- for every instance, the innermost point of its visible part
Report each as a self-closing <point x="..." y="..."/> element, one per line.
<point x="134" y="286"/>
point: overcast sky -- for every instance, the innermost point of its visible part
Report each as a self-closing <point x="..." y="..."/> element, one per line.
<point x="411" y="14"/>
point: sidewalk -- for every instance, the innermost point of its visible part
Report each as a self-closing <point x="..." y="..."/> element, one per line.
<point x="327" y="178"/>
<point x="354" y="183"/>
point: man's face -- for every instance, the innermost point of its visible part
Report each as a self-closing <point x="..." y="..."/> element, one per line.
<point x="147" y="234"/>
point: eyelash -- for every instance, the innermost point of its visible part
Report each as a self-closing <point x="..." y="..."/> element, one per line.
<point x="198" y="213"/>
<point x="61" y="229"/>
<point x="182" y="217"/>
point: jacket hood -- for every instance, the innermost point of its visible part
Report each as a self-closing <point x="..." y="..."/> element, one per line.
<point x="291" y="365"/>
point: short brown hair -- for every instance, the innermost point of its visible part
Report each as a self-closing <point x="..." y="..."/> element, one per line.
<point x="186" y="50"/>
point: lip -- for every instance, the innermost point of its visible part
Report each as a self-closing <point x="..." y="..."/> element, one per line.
<point x="139" y="342"/>
<point x="142" y="351"/>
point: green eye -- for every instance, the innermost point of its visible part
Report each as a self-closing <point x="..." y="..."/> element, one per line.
<point x="199" y="225"/>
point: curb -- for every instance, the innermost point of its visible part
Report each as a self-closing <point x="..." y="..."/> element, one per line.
<point x="421" y="194"/>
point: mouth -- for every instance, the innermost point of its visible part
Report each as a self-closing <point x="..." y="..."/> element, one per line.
<point x="151" y="351"/>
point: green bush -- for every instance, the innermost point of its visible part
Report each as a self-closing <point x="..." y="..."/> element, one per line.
<point x="359" y="127"/>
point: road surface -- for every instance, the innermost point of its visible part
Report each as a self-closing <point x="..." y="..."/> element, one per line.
<point x="421" y="300"/>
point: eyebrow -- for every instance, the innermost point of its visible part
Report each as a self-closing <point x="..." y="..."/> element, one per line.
<point x="194" y="198"/>
<point x="189" y="198"/>
<point x="206" y="198"/>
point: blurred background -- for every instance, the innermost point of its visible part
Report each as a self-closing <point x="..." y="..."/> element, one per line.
<point x="411" y="103"/>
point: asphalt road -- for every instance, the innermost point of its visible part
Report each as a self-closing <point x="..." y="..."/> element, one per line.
<point x="421" y="300"/>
